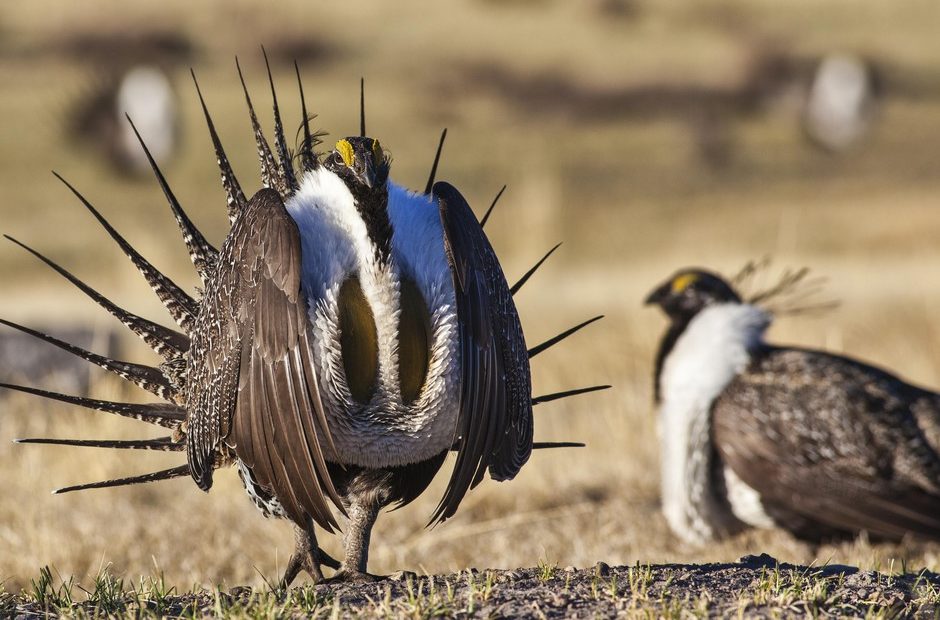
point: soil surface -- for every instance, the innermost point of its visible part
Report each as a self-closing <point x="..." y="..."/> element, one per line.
<point x="756" y="586"/>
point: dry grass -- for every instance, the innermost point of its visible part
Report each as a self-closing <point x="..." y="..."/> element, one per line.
<point x="630" y="199"/>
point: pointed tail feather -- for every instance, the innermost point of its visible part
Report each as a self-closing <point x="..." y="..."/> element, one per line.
<point x="308" y="159"/>
<point x="547" y="398"/>
<point x="486" y="215"/>
<point x="525" y="277"/>
<point x="160" y="414"/>
<point x="146" y="377"/>
<point x="181" y="306"/>
<point x="437" y="160"/>
<point x="164" y="341"/>
<point x="269" y="172"/>
<point x="160" y="444"/>
<point x="234" y="195"/>
<point x="280" y="143"/>
<point x="549" y="445"/>
<point x="542" y="445"/>
<point x="203" y="255"/>
<point x="362" y="107"/>
<point x="553" y="341"/>
<point x="165" y="474"/>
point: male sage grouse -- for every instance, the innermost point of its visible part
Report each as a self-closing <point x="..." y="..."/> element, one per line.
<point x="350" y="334"/>
<point x="759" y="435"/>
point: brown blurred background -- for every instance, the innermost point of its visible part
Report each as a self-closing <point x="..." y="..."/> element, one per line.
<point x="647" y="135"/>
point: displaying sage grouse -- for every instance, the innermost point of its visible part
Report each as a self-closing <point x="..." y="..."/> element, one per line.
<point x="351" y="333"/>
<point x="760" y="435"/>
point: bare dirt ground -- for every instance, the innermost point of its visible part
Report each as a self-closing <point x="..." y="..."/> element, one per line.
<point x="755" y="586"/>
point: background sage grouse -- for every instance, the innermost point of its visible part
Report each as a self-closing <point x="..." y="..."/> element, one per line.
<point x="351" y="333"/>
<point x="758" y="435"/>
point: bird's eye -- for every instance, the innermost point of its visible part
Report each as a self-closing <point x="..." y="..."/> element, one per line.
<point x="338" y="159"/>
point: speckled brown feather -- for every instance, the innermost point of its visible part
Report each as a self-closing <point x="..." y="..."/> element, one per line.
<point x="202" y="254"/>
<point x="235" y="197"/>
<point x="253" y="390"/>
<point x="164" y="341"/>
<point x="838" y="443"/>
<point x="178" y="303"/>
<point x="271" y="177"/>
<point x="146" y="377"/>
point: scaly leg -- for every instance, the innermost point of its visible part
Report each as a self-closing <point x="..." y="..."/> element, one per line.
<point x="307" y="556"/>
<point x="362" y="514"/>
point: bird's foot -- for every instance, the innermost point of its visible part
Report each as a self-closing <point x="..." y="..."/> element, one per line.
<point x="309" y="561"/>
<point x="351" y="577"/>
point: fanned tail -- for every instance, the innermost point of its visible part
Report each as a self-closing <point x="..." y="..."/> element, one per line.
<point x="555" y="340"/>
<point x="161" y="444"/>
<point x="234" y="196"/>
<point x="308" y="158"/>
<point x="165" y="342"/>
<point x="280" y="143"/>
<point x="547" y="398"/>
<point x="145" y="377"/>
<point x="166" y="415"/>
<point x="489" y="211"/>
<point x="437" y="160"/>
<point x="270" y="175"/>
<point x="180" y="305"/>
<point x="203" y="255"/>
<point x="163" y="474"/>
<point x="525" y="277"/>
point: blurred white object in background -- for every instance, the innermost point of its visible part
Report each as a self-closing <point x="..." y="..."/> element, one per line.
<point x="841" y="102"/>
<point x="146" y="95"/>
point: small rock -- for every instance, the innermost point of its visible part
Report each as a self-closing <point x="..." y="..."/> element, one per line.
<point x="571" y="569"/>
<point x="506" y="576"/>
<point x="763" y="560"/>
<point x="404" y="576"/>
<point x="601" y="569"/>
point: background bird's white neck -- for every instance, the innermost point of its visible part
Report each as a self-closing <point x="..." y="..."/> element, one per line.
<point x="714" y="348"/>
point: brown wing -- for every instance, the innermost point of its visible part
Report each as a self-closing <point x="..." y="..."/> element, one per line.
<point x="831" y="442"/>
<point x="260" y="395"/>
<point x="495" y="420"/>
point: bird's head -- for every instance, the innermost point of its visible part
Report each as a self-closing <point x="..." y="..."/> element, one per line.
<point x="361" y="163"/>
<point x="689" y="291"/>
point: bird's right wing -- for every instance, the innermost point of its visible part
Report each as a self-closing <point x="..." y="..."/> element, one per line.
<point x="274" y="421"/>
<point x="832" y="441"/>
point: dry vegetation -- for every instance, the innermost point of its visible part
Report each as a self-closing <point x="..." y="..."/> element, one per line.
<point x="629" y="195"/>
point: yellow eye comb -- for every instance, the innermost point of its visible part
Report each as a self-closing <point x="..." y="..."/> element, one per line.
<point x="345" y="150"/>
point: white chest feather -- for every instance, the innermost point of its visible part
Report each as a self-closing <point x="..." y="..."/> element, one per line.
<point x="335" y="245"/>
<point x="715" y="347"/>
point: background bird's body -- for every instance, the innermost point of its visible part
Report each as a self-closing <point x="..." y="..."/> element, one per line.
<point x="758" y="435"/>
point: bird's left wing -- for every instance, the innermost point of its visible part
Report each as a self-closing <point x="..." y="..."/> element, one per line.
<point x="494" y="428"/>
<point x="274" y="418"/>
<point x="833" y="440"/>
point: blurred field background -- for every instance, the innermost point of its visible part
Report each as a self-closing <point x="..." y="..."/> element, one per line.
<point x="647" y="135"/>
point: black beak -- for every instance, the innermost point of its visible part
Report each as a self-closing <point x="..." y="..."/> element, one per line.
<point x="659" y="295"/>
<point x="368" y="175"/>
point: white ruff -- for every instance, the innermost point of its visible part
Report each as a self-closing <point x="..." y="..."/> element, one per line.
<point x="712" y="350"/>
<point x="335" y="245"/>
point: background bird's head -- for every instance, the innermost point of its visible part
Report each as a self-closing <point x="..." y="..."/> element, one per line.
<point x="361" y="163"/>
<point x="689" y="291"/>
